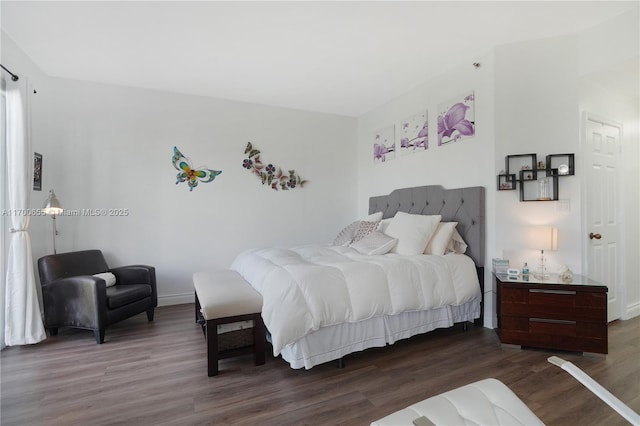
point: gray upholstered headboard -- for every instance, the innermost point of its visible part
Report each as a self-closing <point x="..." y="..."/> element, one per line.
<point x="462" y="205"/>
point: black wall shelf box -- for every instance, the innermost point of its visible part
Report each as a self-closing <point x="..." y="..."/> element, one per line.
<point x="529" y="189"/>
<point x="521" y="162"/>
<point x="564" y="163"/>
<point x="507" y="182"/>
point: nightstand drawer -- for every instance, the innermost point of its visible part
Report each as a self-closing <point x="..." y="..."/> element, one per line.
<point x="554" y="304"/>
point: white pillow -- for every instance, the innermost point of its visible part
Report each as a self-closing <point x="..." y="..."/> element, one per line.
<point x="440" y="238"/>
<point x="375" y="243"/>
<point x="384" y="223"/>
<point x="456" y="244"/>
<point x="108" y="278"/>
<point x="413" y="232"/>
<point x="373" y="217"/>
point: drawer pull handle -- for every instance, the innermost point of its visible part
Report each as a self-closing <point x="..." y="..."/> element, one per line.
<point x="535" y="290"/>
<point x="552" y="321"/>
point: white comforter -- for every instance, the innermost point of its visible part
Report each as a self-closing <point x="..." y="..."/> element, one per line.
<point x="309" y="287"/>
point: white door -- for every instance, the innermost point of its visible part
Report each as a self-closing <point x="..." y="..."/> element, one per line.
<point x="601" y="151"/>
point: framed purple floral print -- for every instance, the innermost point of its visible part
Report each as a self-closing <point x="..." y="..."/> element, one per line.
<point x="384" y="145"/>
<point x="456" y="119"/>
<point x="412" y="134"/>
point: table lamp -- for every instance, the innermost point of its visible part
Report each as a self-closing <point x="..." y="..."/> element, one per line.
<point x="543" y="238"/>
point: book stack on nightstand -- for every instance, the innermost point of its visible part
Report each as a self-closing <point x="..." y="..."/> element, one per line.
<point x="551" y="314"/>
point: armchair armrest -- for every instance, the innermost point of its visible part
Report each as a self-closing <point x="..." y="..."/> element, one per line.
<point x="75" y="301"/>
<point x="137" y="274"/>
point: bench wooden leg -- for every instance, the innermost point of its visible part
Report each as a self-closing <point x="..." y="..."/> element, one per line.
<point x="212" y="348"/>
<point x="197" y="307"/>
<point x="259" y="339"/>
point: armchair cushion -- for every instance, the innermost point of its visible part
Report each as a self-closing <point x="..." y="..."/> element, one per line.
<point x="120" y="295"/>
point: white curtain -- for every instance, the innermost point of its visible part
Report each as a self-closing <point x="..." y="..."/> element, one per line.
<point x="23" y="321"/>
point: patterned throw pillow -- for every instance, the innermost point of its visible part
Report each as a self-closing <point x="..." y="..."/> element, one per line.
<point x="364" y="229"/>
<point x="345" y="236"/>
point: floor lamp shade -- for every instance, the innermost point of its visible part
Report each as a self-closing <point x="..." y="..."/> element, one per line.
<point x="52" y="205"/>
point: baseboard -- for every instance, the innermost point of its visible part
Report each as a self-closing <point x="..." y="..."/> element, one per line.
<point x="176" y="299"/>
<point x="632" y="311"/>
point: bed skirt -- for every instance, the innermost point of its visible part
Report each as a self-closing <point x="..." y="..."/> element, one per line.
<point x="334" y="342"/>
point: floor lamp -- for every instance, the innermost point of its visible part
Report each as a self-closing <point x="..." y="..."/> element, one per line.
<point x="52" y="207"/>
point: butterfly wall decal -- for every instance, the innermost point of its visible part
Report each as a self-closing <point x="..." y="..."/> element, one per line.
<point x="189" y="174"/>
<point x="270" y="174"/>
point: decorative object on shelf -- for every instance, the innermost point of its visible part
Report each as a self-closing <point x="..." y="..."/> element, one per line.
<point x="566" y="274"/>
<point x="412" y="134"/>
<point x="456" y="119"/>
<point x="37" y="171"/>
<point x="52" y="207"/>
<point x="544" y="189"/>
<point x="541" y="165"/>
<point x="189" y="174"/>
<point x="270" y="175"/>
<point x="543" y="238"/>
<point x="384" y="146"/>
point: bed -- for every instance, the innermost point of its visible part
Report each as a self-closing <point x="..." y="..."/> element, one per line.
<point x="324" y="302"/>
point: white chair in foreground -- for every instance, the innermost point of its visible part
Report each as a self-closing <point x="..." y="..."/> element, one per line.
<point x="491" y="402"/>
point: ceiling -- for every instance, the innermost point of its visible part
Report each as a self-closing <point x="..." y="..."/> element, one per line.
<point x="337" y="57"/>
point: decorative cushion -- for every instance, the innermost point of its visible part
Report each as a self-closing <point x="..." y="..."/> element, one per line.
<point x="413" y="232"/>
<point x="441" y="238"/>
<point x="364" y="229"/>
<point x="456" y="244"/>
<point x="108" y="278"/>
<point x="346" y="235"/>
<point x="374" y="243"/>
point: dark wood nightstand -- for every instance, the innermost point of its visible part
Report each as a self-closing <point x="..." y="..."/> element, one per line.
<point x="551" y="314"/>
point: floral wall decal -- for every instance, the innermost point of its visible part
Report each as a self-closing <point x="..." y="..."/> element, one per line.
<point x="412" y="134"/>
<point x="456" y="119"/>
<point x="270" y="174"/>
<point x="189" y="174"/>
<point x="384" y="145"/>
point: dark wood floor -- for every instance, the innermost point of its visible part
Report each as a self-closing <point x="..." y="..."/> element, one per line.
<point x="155" y="374"/>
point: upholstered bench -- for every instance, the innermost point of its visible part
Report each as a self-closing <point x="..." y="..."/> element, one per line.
<point x="487" y="402"/>
<point x="229" y="310"/>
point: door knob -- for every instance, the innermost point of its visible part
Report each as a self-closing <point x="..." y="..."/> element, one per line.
<point x="596" y="236"/>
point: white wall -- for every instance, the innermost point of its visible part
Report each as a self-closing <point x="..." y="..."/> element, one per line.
<point x="536" y="113"/>
<point x="111" y="147"/>
<point x="468" y="162"/>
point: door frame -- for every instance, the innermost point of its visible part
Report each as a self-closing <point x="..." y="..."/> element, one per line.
<point x="620" y="286"/>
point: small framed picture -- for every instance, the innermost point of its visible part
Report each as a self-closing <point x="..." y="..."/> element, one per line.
<point x="37" y="171"/>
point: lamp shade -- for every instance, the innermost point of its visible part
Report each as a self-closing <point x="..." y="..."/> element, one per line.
<point x="543" y="238"/>
<point x="52" y="204"/>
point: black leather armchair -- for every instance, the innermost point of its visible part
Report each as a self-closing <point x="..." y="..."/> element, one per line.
<point x="73" y="297"/>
